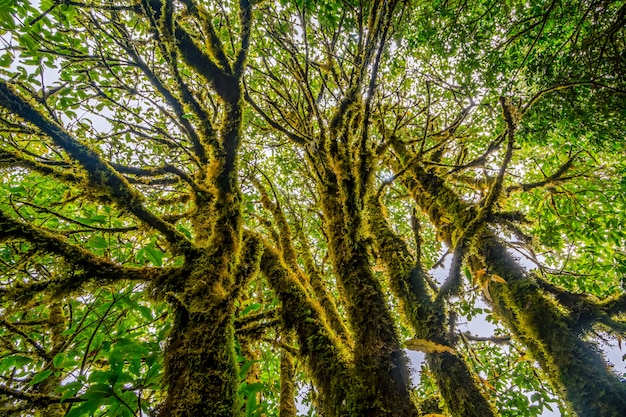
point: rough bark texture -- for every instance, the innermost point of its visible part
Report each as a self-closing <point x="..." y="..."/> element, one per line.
<point x="572" y="366"/>
<point x="459" y="388"/>
<point x="201" y="368"/>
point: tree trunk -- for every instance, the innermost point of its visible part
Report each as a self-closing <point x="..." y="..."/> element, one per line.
<point x="201" y="367"/>
<point x="382" y="381"/>
<point x="575" y="369"/>
<point x="460" y="390"/>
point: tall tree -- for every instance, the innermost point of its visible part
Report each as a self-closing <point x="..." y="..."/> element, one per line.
<point x="231" y="208"/>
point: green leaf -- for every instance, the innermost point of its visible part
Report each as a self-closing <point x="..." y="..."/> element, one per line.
<point x="116" y="361"/>
<point x="153" y="375"/>
<point x="98" y="242"/>
<point x="40" y="376"/>
<point x="58" y="359"/>
<point x="251" y="308"/>
<point x="98" y="392"/>
<point x="153" y="254"/>
<point x="69" y="390"/>
<point x="6" y="59"/>
<point x="146" y="312"/>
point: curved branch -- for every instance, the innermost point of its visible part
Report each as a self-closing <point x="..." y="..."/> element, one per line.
<point x="37" y="399"/>
<point x="14" y="159"/>
<point x="295" y="138"/>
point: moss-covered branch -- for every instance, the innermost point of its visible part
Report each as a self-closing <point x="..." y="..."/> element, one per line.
<point x="585" y="310"/>
<point x="34" y="399"/>
<point x="100" y="174"/>
<point x="321" y="292"/>
<point x="87" y="266"/>
<point x="573" y="367"/>
<point x="319" y="346"/>
<point x="287" y="407"/>
<point x="221" y="79"/>
<point x="10" y="159"/>
<point x="459" y="387"/>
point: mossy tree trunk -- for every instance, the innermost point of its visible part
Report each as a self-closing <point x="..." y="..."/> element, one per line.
<point x="573" y="367"/>
<point x="325" y="354"/>
<point x="460" y="389"/>
<point x="202" y="375"/>
<point x="381" y="375"/>
<point x="329" y="306"/>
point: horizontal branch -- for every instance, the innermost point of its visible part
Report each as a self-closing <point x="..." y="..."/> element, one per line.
<point x="557" y="177"/>
<point x="94" y="267"/>
<point x="10" y="159"/>
<point x="35" y="398"/>
<point x="498" y="340"/>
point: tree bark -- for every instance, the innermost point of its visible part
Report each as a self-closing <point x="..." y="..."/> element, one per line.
<point x="574" y="368"/>
<point x="460" y="390"/>
<point x="201" y="367"/>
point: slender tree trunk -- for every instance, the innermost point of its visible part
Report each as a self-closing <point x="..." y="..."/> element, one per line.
<point x="459" y="389"/>
<point x="288" y="393"/>
<point x="57" y="326"/>
<point x="324" y="353"/>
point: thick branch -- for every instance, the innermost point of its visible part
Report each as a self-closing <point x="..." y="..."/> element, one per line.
<point x="321" y="348"/>
<point x="101" y="174"/>
<point x="93" y="266"/>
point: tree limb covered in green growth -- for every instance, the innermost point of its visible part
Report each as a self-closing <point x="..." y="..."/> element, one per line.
<point x="460" y="390"/>
<point x="530" y="314"/>
<point x="232" y="207"/>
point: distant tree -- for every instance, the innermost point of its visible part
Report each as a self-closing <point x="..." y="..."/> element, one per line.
<point x="230" y="208"/>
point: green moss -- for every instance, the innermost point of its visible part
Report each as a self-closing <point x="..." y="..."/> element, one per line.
<point x="288" y="390"/>
<point x="459" y="388"/>
<point x="201" y="369"/>
<point x="576" y="371"/>
<point x="323" y="352"/>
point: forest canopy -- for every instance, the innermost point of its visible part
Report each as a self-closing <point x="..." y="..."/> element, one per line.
<point x="260" y="208"/>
